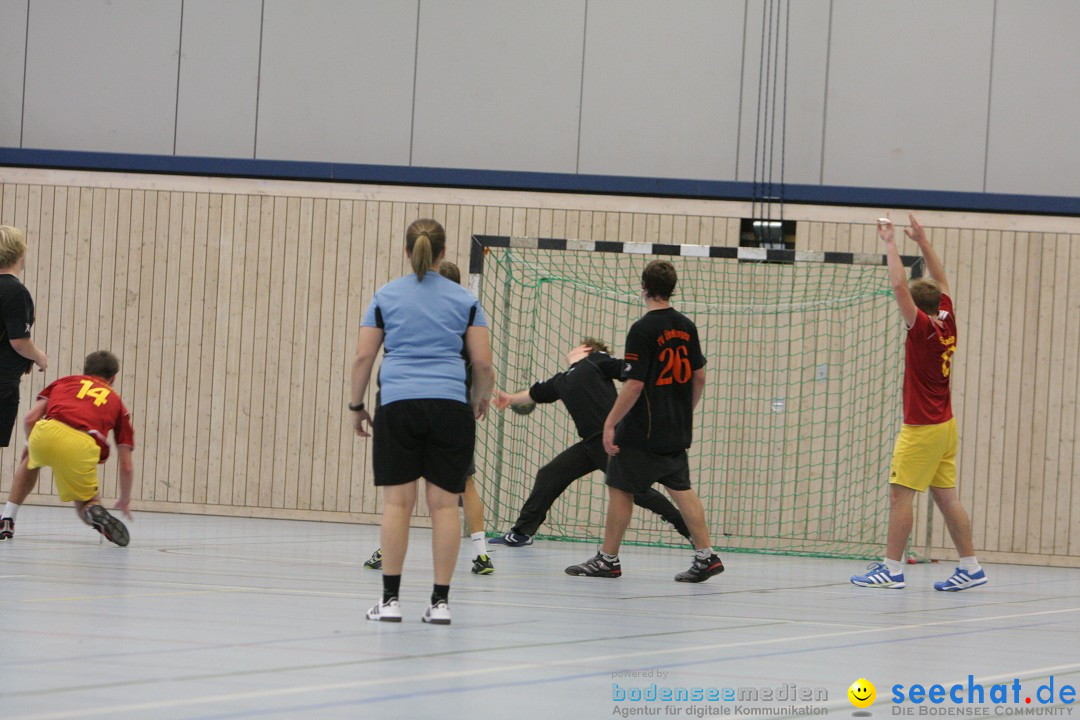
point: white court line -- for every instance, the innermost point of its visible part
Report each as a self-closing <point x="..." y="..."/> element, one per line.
<point x="504" y="668"/>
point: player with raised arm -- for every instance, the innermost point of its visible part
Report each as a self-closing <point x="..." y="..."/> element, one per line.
<point x="924" y="455"/>
<point x="68" y="430"/>
<point x="649" y="429"/>
<point x="587" y="391"/>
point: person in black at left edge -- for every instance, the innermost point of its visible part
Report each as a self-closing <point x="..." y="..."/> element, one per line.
<point x="18" y="353"/>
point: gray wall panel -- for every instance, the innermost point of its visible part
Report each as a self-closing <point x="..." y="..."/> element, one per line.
<point x="337" y="81"/>
<point x="101" y="75"/>
<point x="12" y="62"/>
<point x="807" y="48"/>
<point x="1035" y="106"/>
<point x="219" y="78"/>
<point x="498" y="85"/>
<point x="908" y="92"/>
<point x="661" y="88"/>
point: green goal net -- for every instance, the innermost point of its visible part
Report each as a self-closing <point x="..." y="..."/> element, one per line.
<point x="793" y="436"/>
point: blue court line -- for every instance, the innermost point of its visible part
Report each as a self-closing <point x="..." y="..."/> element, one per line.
<point x="537" y="181"/>
<point x="580" y="676"/>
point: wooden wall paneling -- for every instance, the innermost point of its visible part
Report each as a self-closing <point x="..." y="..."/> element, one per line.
<point x="174" y="353"/>
<point x="206" y="329"/>
<point x="1058" y="486"/>
<point x="1013" y="262"/>
<point x="987" y="472"/>
<point x="147" y="344"/>
<point x="227" y="351"/>
<point x="262" y="425"/>
<point x="305" y="360"/>
<point x="323" y="428"/>
<point x="1044" y="402"/>
<point x="178" y="313"/>
<point x="350" y="464"/>
<point x="100" y="338"/>
<point x="287" y="382"/>
<point x="1025" y="296"/>
<point x="128" y="271"/>
<point x="340" y="435"/>
<point x="968" y="279"/>
<point x="245" y="485"/>
<point x="599" y="225"/>
<point x="189" y="323"/>
<point x="1069" y="513"/>
<point x="276" y="388"/>
<point x="312" y="443"/>
<point x="1033" y="382"/>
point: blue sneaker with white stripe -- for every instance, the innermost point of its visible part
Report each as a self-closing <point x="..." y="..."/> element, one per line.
<point x="962" y="580"/>
<point x="878" y="576"/>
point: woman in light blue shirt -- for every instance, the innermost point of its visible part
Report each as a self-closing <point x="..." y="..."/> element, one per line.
<point x="424" y="423"/>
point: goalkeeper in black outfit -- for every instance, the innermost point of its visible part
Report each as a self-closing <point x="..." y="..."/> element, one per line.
<point x="587" y="391"/>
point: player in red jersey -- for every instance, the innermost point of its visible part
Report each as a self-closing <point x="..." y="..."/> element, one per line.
<point x="925" y="452"/>
<point x="68" y="431"/>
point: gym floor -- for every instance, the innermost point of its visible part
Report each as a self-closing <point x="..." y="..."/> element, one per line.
<point x="212" y="617"/>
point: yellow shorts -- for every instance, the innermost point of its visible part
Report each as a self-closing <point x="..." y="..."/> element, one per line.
<point x="925" y="456"/>
<point x="72" y="454"/>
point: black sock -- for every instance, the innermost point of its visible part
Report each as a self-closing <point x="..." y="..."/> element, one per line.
<point x="440" y="592"/>
<point x="391" y="584"/>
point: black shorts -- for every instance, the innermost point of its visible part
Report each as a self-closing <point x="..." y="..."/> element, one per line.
<point x="634" y="471"/>
<point x="432" y="439"/>
<point x="9" y="412"/>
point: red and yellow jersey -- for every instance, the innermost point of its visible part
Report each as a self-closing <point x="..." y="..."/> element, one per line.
<point x="88" y="403"/>
<point x="928" y="365"/>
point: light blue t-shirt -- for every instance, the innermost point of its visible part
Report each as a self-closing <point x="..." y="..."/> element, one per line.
<point x="424" y="324"/>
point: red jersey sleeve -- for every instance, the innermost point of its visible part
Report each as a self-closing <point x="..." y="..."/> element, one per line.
<point x="123" y="432"/>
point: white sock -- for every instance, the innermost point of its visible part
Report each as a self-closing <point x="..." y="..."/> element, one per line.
<point x="479" y="544"/>
<point x="703" y="553"/>
<point x="896" y="567"/>
<point x="10" y="510"/>
<point x="968" y="564"/>
<point x="609" y="558"/>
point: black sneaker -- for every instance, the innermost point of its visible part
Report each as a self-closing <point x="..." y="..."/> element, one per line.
<point x="597" y="566"/>
<point x="375" y="561"/>
<point x="113" y="530"/>
<point x="7" y="528"/>
<point x="481" y="565"/>
<point x="512" y="539"/>
<point x="701" y="570"/>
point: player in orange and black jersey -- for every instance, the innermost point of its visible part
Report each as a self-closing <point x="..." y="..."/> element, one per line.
<point x="68" y="431"/>
<point x="648" y="431"/>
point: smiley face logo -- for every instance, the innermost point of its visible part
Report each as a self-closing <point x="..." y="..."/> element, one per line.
<point x="862" y="693"/>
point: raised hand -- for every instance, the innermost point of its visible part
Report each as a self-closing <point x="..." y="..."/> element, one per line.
<point x="885" y="229"/>
<point x="916" y="232"/>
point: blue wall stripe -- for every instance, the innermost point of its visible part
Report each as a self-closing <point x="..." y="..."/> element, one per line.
<point x="538" y="181"/>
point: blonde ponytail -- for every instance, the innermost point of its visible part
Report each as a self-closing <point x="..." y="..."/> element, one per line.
<point x="421" y="256"/>
<point x="425" y="241"/>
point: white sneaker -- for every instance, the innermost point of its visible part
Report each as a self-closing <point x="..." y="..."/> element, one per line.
<point x="437" y="614"/>
<point x="386" y="612"/>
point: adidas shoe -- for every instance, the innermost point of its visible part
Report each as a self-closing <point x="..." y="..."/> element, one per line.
<point x="437" y="613"/>
<point x="701" y="570"/>
<point x="481" y="565"/>
<point x="7" y="528"/>
<point x="877" y="576"/>
<point x="111" y="528"/>
<point x="375" y="561"/>
<point x="962" y="580"/>
<point x="512" y="539"/>
<point x="389" y="611"/>
<point x="597" y="566"/>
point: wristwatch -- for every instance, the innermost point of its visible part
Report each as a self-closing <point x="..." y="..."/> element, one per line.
<point x="356" y="408"/>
